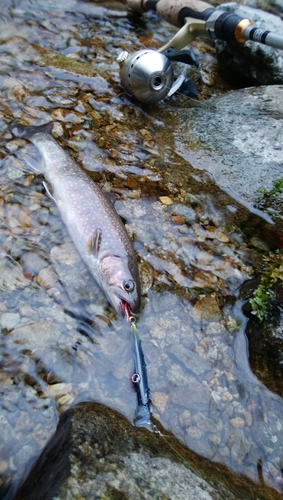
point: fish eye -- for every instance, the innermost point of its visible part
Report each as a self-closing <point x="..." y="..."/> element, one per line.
<point x="129" y="285"/>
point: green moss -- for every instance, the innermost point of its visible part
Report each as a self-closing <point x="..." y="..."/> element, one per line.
<point x="68" y="64"/>
<point x="56" y="60"/>
<point x="271" y="276"/>
<point x="270" y="196"/>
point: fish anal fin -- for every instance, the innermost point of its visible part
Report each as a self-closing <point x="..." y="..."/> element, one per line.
<point x="112" y="197"/>
<point x="48" y="190"/>
<point x="35" y="164"/>
<point x="94" y="241"/>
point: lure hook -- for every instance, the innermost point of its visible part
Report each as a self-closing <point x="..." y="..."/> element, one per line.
<point x="130" y="318"/>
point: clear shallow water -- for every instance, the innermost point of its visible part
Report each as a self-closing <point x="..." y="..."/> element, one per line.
<point x="60" y="341"/>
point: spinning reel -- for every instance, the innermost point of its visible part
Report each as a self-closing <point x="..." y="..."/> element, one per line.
<point x="148" y="74"/>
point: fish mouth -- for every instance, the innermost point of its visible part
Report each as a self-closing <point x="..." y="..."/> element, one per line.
<point x="126" y="311"/>
<point x="122" y="302"/>
<point x="121" y="305"/>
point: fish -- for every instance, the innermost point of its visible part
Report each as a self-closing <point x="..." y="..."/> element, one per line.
<point x="93" y="224"/>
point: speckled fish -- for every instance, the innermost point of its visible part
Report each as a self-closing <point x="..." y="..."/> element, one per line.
<point x="91" y="219"/>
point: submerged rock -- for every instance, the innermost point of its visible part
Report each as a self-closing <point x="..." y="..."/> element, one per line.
<point x="96" y="453"/>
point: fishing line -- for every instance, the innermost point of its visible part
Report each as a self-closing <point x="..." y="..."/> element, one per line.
<point x="178" y="105"/>
<point x="185" y="97"/>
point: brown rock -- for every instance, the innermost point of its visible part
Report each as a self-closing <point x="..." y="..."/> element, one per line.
<point x="47" y="277"/>
<point x="237" y="422"/>
<point x="207" y="308"/>
<point x="160" y="400"/>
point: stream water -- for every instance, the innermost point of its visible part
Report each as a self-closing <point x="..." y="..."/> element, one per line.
<point x="60" y="341"/>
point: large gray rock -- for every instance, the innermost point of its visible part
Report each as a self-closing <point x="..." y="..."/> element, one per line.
<point x="96" y="453"/>
<point x="237" y="138"/>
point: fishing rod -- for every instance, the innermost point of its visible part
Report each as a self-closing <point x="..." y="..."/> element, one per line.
<point x="139" y="378"/>
<point x="148" y="74"/>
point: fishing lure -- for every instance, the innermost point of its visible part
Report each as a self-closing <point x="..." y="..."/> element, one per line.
<point x="139" y="377"/>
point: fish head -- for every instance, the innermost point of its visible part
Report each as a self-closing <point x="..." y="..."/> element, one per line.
<point x="120" y="281"/>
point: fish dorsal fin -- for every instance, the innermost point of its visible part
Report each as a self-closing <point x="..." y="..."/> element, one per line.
<point x="94" y="241"/>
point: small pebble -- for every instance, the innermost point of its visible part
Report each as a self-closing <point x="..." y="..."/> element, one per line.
<point x="165" y="200"/>
<point x="9" y="320"/>
<point x="237" y="422"/>
<point x="160" y="400"/>
<point x="194" y="432"/>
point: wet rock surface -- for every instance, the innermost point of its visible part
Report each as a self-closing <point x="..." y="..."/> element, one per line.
<point x="198" y="237"/>
<point x="239" y="137"/>
<point x="266" y="348"/>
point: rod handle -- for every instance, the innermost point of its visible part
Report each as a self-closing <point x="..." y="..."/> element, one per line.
<point x="174" y="11"/>
<point x="220" y="25"/>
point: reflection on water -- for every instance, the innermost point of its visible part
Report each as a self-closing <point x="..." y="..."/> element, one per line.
<point x="60" y="341"/>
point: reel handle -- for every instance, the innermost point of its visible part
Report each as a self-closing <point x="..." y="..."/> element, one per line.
<point x="174" y="12"/>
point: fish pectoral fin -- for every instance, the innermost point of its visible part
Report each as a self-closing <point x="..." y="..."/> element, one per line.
<point x="48" y="191"/>
<point x="94" y="241"/>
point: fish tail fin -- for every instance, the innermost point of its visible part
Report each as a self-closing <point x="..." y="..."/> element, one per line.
<point x="24" y="132"/>
<point x="31" y="133"/>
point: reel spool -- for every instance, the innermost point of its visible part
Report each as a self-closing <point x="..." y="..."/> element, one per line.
<point x="146" y="75"/>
